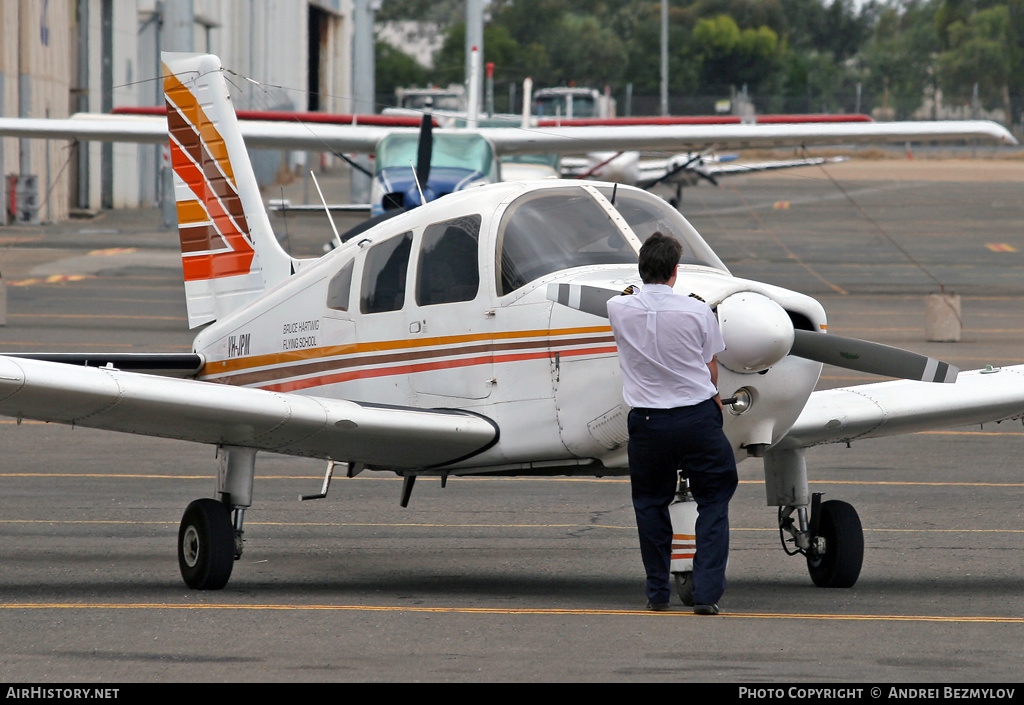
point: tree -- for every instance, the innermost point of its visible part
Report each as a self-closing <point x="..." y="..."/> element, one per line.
<point x="898" y="59"/>
<point x="731" y="56"/>
<point x="980" y="51"/>
<point x="512" y="61"/>
<point x="395" y="68"/>
<point x="587" y="54"/>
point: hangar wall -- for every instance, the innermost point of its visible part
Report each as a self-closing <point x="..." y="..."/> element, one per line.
<point x="93" y="55"/>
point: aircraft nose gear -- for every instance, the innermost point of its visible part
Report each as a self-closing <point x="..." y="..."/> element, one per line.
<point x="206" y="545"/>
<point x="832" y="540"/>
<point x="683" y="513"/>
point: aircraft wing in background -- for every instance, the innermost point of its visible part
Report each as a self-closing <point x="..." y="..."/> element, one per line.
<point x="508" y="141"/>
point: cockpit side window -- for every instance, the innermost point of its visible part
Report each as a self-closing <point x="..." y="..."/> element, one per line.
<point x="339" y="287"/>
<point x="547" y="231"/>
<point x="384" y="275"/>
<point x="449" y="269"/>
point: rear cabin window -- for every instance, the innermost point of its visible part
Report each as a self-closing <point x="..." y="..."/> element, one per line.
<point x="384" y="275"/>
<point x="449" y="268"/>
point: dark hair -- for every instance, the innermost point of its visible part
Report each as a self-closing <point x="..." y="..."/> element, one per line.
<point x="658" y="257"/>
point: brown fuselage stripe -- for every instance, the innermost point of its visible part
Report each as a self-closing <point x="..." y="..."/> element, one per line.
<point x="336" y="378"/>
<point x="334" y="365"/>
<point x="252" y="362"/>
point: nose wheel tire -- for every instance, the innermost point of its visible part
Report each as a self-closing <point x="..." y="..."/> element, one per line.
<point x="206" y="545"/>
<point x="838" y="566"/>
<point x="684" y="587"/>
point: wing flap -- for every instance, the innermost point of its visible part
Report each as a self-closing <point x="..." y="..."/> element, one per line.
<point x="205" y="412"/>
<point x="892" y="408"/>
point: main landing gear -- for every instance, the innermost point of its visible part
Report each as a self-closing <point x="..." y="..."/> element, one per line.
<point x="209" y="542"/>
<point x="827" y="534"/>
<point x="206" y="545"/>
<point x="832" y="540"/>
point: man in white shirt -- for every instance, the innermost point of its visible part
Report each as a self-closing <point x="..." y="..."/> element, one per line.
<point x="667" y="345"/>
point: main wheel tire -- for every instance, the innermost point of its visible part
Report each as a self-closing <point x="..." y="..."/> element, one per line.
<point x="839" y="566"/>
<point x="684" y="587"/>
<point x="206" y="545"/>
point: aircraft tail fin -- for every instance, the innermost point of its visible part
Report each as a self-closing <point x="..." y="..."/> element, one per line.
<point x="228" y="249"/>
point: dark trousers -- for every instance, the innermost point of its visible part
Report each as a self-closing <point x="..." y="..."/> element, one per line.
<point x="660" y="442"/>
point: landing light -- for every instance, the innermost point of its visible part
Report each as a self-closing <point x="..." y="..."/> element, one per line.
<point x="743" y="400"/>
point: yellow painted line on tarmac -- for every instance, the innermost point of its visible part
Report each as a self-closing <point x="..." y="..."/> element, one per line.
<point x="970" y="433"/>
<point x="52" y="279"/>
<point x="114" y="251"/>
<point x="128" y="476"/>
<point x="432" y="525"/>
<point x="94" y="315"/>
<point x="504" y="611"/>
<point x="914" y="484"/>
<point x="619" y="480"/>
<point x="24" y="344"/>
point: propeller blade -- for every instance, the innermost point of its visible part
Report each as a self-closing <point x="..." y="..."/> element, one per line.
<point x="685" y="166"/>
<point x="874" y="358"/>
<point x="706" y="176"/>
<point x="425" y="151"/>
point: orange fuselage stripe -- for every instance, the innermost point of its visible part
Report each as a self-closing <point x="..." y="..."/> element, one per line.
<point x="322" y="380"/>
<point x="218" y="367"/>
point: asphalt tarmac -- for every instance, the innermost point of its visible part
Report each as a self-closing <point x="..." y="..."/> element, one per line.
<point x="528" y="579"/>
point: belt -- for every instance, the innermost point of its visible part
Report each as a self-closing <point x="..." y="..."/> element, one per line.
<point x="645" y="410"/>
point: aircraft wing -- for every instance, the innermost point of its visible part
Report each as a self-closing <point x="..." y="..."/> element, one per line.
<point x="894" y="408"/>
<point x="219" y="414"/>
<point x="697" y="138"/>
<point x="508" y="141"/>
<point x="153" y="130"/>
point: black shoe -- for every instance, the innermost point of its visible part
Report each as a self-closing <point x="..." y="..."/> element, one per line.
<point x="657" y="606"/>
<point x="705" y="609"/>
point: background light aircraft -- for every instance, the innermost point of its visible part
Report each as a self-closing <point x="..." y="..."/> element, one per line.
<point x="468" y="336"/>
<point x="464" y="158"/>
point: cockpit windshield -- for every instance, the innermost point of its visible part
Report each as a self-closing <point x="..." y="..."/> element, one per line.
<point x="647" y="214"/>
<point x="575" y="105"/>
<point x="432" y="101"/>
<point x="550" y="230"/>
<point x="468" y="151"/>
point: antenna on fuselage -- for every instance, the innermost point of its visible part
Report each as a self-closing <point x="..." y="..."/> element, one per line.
<point x="416" y="178"/>
<point x="330" y="218"/>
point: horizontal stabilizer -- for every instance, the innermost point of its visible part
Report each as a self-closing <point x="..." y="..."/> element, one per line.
<point x="183" y="363"/>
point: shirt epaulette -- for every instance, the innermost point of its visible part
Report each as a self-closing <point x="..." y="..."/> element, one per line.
<point x="631" y="289"/>
<point x="694" y="296"/>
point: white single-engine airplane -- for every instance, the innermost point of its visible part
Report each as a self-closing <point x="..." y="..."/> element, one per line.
<point x="468" y="336"/>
